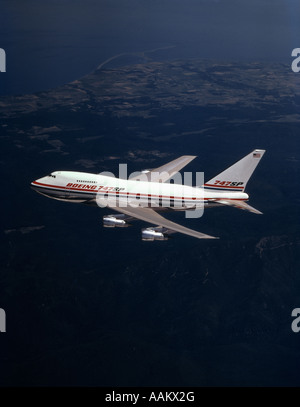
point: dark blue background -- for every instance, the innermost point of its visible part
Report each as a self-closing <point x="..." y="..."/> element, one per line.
<point x="49" y="43"/>
<point x="91" y="306"/>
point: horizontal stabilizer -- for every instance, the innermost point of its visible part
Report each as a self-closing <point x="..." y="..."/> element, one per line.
<point x="240" y="205"/>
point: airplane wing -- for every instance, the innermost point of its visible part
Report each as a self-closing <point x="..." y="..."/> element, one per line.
<point x="240" y="205"/>
<point x="150" y="216"/>
<point x="165" y="172"/>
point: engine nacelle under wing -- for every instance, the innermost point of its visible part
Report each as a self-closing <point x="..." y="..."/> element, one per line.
<point x="155" y="233"/>
<point x="118" y="220"/>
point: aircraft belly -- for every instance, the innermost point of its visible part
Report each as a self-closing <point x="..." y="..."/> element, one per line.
<point x="63" y="195"/>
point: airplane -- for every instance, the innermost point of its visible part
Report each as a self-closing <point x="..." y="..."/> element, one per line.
<point x="145" y="195"/>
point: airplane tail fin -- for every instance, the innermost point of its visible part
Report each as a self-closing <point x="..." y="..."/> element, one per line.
<point x="235" y="178"/>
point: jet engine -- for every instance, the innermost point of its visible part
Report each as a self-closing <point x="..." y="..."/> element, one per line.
<point x="155" y="233"/>
<point x="112" y="221"/>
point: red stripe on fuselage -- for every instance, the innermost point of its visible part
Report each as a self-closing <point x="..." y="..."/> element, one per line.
<point x="222" y="187"/>
<point x="131" y="193"/>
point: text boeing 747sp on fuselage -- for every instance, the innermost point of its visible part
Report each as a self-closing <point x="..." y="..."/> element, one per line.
<point x="144" y="195"/>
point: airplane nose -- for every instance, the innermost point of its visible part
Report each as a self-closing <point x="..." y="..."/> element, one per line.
<point x="33" y="185"/>
<point x="37" y="182"/>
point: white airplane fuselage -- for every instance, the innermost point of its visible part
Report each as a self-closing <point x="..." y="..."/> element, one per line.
<point x="82" y="187"/>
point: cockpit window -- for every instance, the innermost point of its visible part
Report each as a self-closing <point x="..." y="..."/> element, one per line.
<point x="51" y="175"/>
